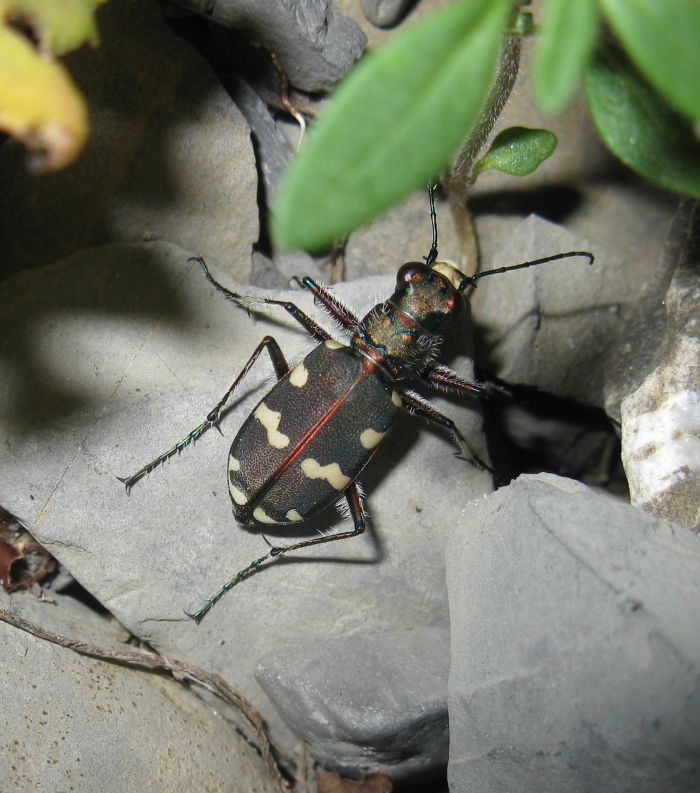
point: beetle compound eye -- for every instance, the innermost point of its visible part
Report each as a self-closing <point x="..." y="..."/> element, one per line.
<point x="410" y="272"/>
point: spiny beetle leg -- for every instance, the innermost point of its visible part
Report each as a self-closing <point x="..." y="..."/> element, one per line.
<point x="329" y="301"/>
<point x="358" y="516"/>
<point x="423" y="409"/>
<point x="279" y="364"/>
<point x="247" y="301"/>
<point x="201" y="612"/>
<point x="352" y="494"/>
<point x="281" y="368"/>
<point x="311" y="327"/>
<point x="443" y="378"/>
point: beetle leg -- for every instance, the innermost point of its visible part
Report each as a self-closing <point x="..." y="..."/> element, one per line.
<point x="423" y="409"/>
<point x="444" y="379"/>
<point x="247" y="301"/>
<point x="359" y="519"/>
<point x="281" y="368"/>
<point x="336" y="308"/>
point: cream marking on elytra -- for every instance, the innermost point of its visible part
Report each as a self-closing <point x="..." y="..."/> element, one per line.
<point x="370" y="438"/>
<point x="270" y="419"/>
<point x="331" y="473"/>
<point x="299" y="375"/>
<point x="234" y="464"/>
<point x="261" y="516"/>
<point x="396" y="398"/>
<point x="293" y="515"/>
<point x="332" y="344"/>
<point x="237" y="495"/>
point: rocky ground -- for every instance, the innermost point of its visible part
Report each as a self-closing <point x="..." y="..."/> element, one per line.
<point x="534" y="636"/>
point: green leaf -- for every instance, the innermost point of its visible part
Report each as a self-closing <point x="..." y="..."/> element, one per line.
<point x="392" y="124"/>
<point x="567" y="35"/>
<point x="663" y="39"/>
<point x="639" y="127"/>
<point x="518" y="151"/>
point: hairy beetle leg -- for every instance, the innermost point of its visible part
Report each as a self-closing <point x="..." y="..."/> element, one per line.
<point x="359" y="519"/>
<point x="423" y="409"/>
<point x="335" y="307"/>
<point x="247" y="301"/>
<point x="281" y="368"/>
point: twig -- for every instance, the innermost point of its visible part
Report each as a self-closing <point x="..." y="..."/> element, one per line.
<point x="284" y="97"/>
<point x="179" y="670"/>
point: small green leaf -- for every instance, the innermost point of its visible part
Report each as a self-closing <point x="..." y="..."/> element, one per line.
<point x="518" y="151"/>
<point x="392" y="124"/>
<point x="663" y="39"/>
<point x="639" y="127"/>
<point x="567" y="36"/>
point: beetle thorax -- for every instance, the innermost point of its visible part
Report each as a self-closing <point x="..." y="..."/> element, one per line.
<point x="403" y="334"/>
<point x="395" y="340"/>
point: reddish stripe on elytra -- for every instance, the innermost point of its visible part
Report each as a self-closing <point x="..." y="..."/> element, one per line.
<point x="265" y="488"/>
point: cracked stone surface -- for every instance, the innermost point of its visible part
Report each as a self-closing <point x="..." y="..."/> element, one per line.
<point x="575" y="645"/>
<point x="111" y="356"/>
<point x="314" y="42"/>
<point x="73" y="722"/>
<point x="382" y="694"/>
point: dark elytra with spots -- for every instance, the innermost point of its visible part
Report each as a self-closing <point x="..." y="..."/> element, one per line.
<point x="308" y="439"/>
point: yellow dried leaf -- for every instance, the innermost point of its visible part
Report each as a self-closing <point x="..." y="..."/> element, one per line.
<point x="39" y="104"/>
<point x="59" y="26"/>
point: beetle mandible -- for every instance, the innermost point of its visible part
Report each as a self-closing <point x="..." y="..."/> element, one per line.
<point x="306" y="443"/>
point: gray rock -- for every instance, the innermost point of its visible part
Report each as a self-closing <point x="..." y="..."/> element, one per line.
<point x="376" y="36"/>
<point x="273" y="154"/>
<point x="370" y="701"/>
<point x="575" y="645"/>
<point x="315" y="44"/>
<point x="169" y="156"/>
<point x="547" y="326"/>
<point x="400" y="235"/>
<point x="73" y="722"/>
<point x="110" y="357"/>
<point x="384" y="13"/>
<point x="550" y="328"/>
<point x="661" y="417"/>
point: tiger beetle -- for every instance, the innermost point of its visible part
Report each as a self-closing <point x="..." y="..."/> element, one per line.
<point x="312" y="434"/>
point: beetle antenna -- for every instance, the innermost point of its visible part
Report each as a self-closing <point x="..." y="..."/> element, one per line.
<point x="568" y="255"/>
<point x="433" y="252"/>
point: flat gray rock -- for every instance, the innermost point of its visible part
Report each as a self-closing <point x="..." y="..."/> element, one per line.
<point x="546" y="326"/>
<point x="273" y="155"/>
<point x="384" y="13"/>
<point x="110" y="357"/>
<point x="575" y="645"/>
<point x="75" y="723"/>
<point x="169" y="156"/>
<point x="401" y="234"/>
<point x="370" y="701"/>
<point x="315" y="43"/>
